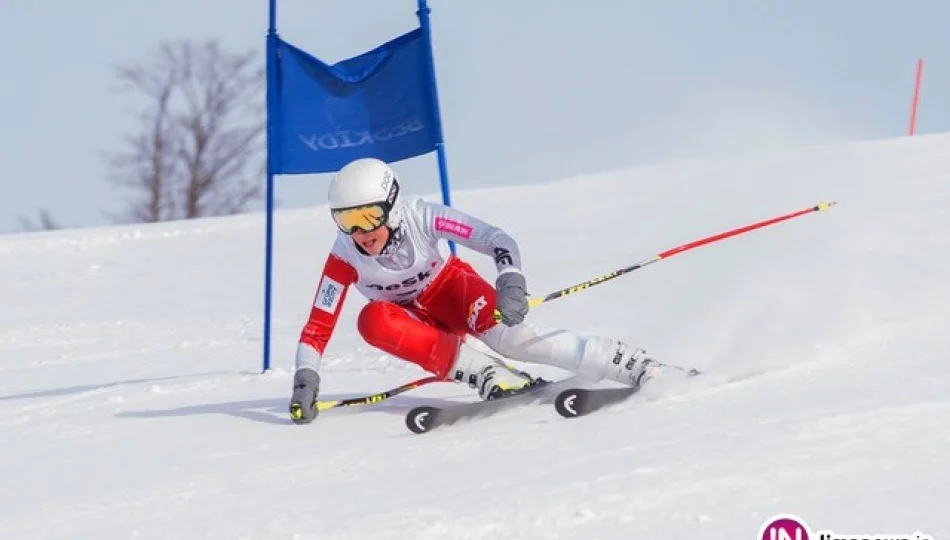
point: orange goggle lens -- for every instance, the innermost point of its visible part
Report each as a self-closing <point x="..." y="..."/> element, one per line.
<point x="366" y="218"/>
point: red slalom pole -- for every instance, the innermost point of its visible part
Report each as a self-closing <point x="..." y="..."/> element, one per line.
<point x="534" y="302"/>
<point x="913" y="107"/>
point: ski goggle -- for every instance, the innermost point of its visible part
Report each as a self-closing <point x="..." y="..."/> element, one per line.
<point x="366" y="218"/>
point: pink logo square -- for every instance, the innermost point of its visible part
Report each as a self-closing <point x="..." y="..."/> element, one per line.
<point x="454" y="227"/>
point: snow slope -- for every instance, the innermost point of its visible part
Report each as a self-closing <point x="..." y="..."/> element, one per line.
<point x="131" y="404"/>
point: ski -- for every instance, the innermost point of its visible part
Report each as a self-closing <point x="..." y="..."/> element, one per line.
<point x="424" y="419"/>
<point x="575" y="402"/>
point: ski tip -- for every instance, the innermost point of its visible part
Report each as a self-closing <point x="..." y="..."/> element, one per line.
<point x="421" y="419"/>
<point x="570" y="403"/>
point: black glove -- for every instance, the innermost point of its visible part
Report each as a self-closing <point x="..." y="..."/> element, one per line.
<point x="303" y="402"/>
<point x="512" y="298"/>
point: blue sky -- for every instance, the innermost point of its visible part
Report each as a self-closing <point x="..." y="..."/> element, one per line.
<point x="531" y="90"/>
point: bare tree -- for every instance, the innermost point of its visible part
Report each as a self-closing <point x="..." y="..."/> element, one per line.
<point x="45" y="222"/>
<point x="198" y="152"/>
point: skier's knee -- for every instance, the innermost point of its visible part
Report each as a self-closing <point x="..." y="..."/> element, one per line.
<point x="520" y="342"/>
<point x="373" y="322"/>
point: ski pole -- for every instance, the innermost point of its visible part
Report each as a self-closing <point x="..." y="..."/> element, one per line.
<point x="537" y="301"/>
<point x="375" y="398"/>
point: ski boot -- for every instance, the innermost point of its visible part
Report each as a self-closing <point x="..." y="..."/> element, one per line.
<point x="617" y="361"/>
<point x="489" y="375"/>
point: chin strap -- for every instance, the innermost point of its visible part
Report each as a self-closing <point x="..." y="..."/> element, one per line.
<point x="394" y="241"/>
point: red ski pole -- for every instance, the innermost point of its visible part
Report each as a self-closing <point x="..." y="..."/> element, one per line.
<point x="537" y="301"/>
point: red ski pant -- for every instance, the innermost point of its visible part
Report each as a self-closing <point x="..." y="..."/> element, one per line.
<point x="458" y="302"/>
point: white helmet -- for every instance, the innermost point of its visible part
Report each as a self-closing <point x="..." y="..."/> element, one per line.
<point x="363" y="195"/>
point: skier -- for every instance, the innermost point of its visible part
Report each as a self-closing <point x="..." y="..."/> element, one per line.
<point x="423" y="306"/>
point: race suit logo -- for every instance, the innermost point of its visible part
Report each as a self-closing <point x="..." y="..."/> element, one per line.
<point x="453" y="227"/>
<point x="415" y="280"/>
<point x="328" y="295"/>
<point x="474" y="310"/>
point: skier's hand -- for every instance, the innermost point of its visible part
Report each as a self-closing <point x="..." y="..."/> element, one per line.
<point x="303" y="402"/>
<point x="511" y="304"/>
